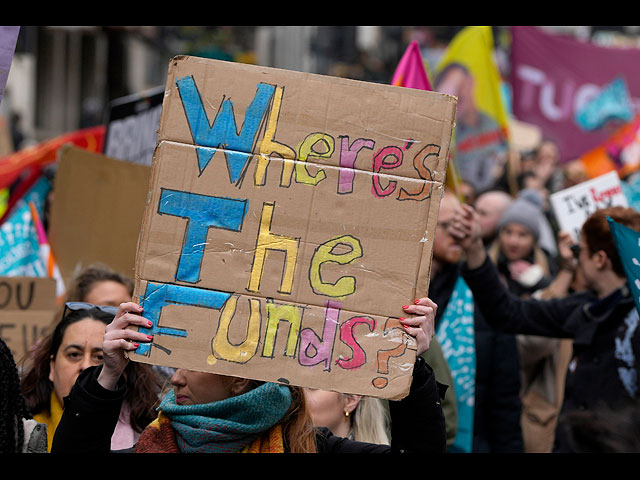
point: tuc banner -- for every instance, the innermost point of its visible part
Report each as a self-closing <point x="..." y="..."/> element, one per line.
<point x="290" y="217"/>
<point x="557" y="79"/>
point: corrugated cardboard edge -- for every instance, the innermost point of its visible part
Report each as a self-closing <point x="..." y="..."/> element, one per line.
<point x="423" y="275"/>
<point x="149" y="211"/>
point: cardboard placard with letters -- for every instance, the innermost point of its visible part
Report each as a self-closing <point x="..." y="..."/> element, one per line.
<point x="28" y="307"/>
<point x="290" y="217"/>
<point x="97" y="211"/>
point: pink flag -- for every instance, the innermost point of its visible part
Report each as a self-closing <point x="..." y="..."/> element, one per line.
<point x="410" y="72"/>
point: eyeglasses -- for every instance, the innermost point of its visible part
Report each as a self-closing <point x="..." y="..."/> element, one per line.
<point x="444" y="225"/>
<point x="109" y="309"/>
<point x="576" y="250"/>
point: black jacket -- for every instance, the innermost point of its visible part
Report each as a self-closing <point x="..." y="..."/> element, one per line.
<point x="497" y="407"/>
<point x="91" y="413"/>
<point x="606" y="342"/>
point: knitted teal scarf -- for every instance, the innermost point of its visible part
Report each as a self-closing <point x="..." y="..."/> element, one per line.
<point x="228" y="425"/>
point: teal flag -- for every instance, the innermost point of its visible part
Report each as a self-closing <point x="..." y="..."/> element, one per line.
<point x="627" y="243"/>
<point x="456" y="334"/>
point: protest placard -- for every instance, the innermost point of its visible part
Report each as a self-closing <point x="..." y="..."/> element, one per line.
<point x="132" y="126"/>
<point x="290" y="217"/>
<point x="573" y="205"/>
<point x="27" y="309"/>
<point x="97" y="211"/>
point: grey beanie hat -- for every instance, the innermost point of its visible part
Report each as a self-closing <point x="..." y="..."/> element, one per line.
<point x="526" y="210"/>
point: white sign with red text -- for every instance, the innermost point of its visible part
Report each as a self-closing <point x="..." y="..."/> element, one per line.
<point x="573" y="205"/>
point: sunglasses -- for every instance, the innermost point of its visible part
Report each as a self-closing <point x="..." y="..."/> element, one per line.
<point x="74" y="306"/>
<point x="576" y="250"/>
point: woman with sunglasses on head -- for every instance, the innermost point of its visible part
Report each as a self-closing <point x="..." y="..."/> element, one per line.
<point x="75" y="345"/>
<point x="602" y="321"/>
<point x="100" y="284"/>
<point x="207" y="412"/>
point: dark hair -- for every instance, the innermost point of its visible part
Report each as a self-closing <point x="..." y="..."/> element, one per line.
<point x="143" y="381"/>
<point x="13" y="408"/>
<point x="450" y="66"/>
<point x="85" y="280"/>
<point x="597" y="234"/>
<point x="36" y="386"/>
<point x="605" y="429"/>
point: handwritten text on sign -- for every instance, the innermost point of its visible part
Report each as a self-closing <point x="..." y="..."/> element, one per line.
<point x="573" y="205"/>
<point x="27" y="309"/>
<point x="329" y="250"/>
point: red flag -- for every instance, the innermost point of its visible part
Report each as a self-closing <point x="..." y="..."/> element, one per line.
<point x="11" y="166"/>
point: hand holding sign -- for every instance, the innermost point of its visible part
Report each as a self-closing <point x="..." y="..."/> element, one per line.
<point x="421" y="326"/>
<point x="118" y="340"/>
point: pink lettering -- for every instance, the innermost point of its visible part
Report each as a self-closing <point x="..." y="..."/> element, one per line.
<point x="346" y="335"/>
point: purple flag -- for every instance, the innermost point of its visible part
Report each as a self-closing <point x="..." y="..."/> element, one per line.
<point x="8" y="39"/>
<point x="555" y="76"/>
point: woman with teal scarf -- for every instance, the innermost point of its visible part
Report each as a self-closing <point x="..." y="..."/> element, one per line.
<point x="207" y="413"/>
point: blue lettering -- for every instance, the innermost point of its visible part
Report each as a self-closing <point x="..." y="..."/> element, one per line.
<point x="202" y="212"/>
<point x="223" y="133"/>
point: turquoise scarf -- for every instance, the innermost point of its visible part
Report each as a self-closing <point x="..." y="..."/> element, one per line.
<point x="456" y="334"/>
<point x="228" y="425"/>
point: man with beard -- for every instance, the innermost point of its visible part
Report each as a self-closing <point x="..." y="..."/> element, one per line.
<point x="484" y="363"/>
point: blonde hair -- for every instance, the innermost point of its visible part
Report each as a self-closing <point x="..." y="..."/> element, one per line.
<point x="371" y="421"/>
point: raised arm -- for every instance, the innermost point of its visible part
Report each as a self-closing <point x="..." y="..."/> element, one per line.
<point x="92" y="408"/>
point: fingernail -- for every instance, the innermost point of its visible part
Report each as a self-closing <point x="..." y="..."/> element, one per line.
<point x="402" y="319"/>
<point x="150" y="337"/>
<point x="415" y="302"/>
<point x="136" y="345"/>
<point x="405" y="306"/>
<point x="150" y="323"/>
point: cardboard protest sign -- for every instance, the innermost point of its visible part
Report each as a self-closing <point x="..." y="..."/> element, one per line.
<point x="132" y="126"/>
<point x="573" y="205"/>
<point x="289" y="218"/>
<point x="27" y="308"/>
<point x="97" y="211"/>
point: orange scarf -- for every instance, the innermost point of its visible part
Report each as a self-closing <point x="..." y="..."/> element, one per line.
<point x="159" y="437"/>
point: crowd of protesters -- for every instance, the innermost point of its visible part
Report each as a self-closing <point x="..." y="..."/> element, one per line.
<point x="526" y="343"/>
<point x="519" y="351"/>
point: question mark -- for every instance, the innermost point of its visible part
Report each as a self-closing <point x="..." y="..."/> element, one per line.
<point x="384" y="356"/>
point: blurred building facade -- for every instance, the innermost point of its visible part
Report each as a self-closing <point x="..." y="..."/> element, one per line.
<point x="63" y="78"/>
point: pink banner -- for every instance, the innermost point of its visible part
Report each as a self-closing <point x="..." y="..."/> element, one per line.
<point x="554" y="77"/>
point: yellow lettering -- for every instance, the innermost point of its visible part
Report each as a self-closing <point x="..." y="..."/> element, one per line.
<point x="269" y="146"/>
<point x="275" y="314"/>
<point x="324" y="254"/>
<point x="243" y="352"/>
<point x="268" y="241"/>
<point x="306" y="150"/>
